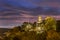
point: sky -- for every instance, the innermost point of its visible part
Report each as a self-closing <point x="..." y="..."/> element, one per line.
<point x="15" y="12"/>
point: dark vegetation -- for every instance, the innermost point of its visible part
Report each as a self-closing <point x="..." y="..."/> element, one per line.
<point x="58" y="25"/>
<point x="20" y="33"/>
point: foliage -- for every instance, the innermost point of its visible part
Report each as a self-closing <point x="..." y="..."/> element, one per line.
<point x="18" y="32"/>
<point x="50" y="23"/>
<point x="34" y="24"/>
<point x="17" y="28"/>
<point x="53" y="35"/>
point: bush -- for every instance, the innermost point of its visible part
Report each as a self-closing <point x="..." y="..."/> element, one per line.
<point x="52" y="35"/>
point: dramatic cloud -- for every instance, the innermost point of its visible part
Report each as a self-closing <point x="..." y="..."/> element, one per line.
<point x="15" y="12"/>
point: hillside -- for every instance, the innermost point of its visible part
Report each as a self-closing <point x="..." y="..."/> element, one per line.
<point x="2" y="30"/>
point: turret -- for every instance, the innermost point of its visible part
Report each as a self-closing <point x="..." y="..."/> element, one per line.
<point x="39" y="19"/>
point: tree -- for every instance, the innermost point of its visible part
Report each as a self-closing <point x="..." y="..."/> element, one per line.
<point x="24" y="25"/>
<point x="50" y="23"/>
<point x="16" y="29"/>
<point x="58" y="25"/>
<point x="52" y="35"/>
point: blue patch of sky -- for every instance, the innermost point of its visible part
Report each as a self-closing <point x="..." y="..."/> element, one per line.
<point x="2" y="8"/>
<point x="19" y="3"/>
